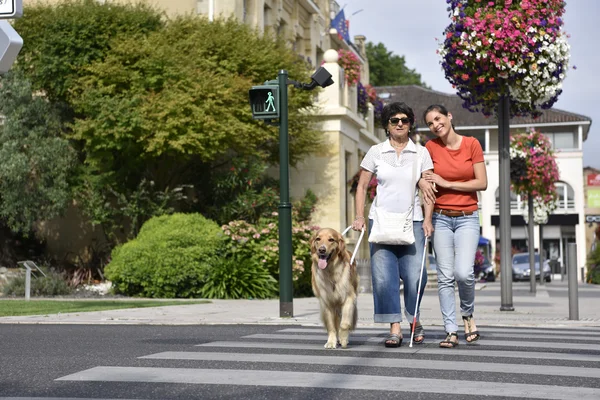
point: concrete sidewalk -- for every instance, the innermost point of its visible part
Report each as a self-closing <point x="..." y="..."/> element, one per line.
<point x="549" y="307"/>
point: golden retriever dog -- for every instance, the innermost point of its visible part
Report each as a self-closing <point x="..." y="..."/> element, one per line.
<point x="335" y="284"/>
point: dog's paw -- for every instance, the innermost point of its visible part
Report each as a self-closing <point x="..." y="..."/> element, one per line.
<point x="331" y="345"/>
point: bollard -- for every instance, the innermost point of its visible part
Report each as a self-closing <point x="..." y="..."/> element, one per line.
<point x="572" y="281"/>
<point x="27" y="281"/>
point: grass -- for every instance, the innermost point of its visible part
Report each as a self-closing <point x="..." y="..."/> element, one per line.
<point x="10" y="308"/>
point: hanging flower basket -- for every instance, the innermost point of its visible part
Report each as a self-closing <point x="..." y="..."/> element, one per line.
<point x="534" y="171"/>
<point x="351" y="65"/>
<point x="363" y="99"/>
<point x="506" y="47"/>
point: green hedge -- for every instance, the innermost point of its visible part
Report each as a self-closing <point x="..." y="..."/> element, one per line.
<point x="169" y="258"/>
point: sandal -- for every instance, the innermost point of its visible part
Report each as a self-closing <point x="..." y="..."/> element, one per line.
<point x="449" y="343"/>
<point x="393" y="340"/>
<point x="419" y="336"/>
<point x="474" y="335"/>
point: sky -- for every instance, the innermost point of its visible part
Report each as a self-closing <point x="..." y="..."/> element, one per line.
<point x="409" y="28"/>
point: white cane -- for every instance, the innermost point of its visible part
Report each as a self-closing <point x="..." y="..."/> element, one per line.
<point x="412" y="333"/>
<point x="362" y="232"/>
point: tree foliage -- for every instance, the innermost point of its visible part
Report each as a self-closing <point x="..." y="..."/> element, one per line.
<point x="59" y="39"/>
<point x="389" y="69"/>
<point x="152" y="105"/>
<point x="36" y="161"/>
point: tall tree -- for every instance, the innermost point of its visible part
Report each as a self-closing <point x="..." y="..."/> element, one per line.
<point x="389" y="69"/>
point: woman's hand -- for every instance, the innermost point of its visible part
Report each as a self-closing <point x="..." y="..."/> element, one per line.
<point x="436" y="179"/>
<point x="427" y="228"/>
<point x="358" y="224"/>
<point x="428" y="189"/>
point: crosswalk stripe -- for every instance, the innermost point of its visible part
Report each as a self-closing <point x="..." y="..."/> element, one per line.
<point x="56" y="398"/>
<point x="520" y="369"/>
<point x="328" y="380"/>
<point x="441" y="334"/>
<point x="484" y="330"/>
<point x="471" y="352"/>
<point x="481" y="343"/>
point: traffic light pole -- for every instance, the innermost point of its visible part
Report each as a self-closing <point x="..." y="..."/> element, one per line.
<point x="270" y="102"/>
<point x="286" y="299"/>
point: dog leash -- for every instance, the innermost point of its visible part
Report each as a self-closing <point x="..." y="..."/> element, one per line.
<point x="362" y="232"/>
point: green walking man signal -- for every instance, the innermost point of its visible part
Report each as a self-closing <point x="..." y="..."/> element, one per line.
<point x="264" y="101"/>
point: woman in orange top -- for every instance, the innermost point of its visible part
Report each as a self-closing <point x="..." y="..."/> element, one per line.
<point x="458" y="173"/>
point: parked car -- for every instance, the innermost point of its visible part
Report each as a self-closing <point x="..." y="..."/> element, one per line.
<point x="486" y="271"/>
<point x="521" y="270"/>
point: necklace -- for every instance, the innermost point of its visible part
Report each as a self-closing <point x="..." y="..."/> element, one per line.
<point x="396" y="146"/>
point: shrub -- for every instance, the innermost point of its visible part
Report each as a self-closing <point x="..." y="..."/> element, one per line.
<point x="258" y="246"/>
<point x="236" y="279"/>
<point x="53" y="284"/>
<point x="169" y="258"/>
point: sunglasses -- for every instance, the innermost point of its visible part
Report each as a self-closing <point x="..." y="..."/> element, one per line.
<point x="396" y="121"/>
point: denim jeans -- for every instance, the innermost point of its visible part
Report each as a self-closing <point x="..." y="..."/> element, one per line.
<point x="455" y="241"/>
<point x="389" y="264"/>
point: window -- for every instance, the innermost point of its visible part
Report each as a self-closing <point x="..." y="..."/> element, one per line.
<point x="562" y="141"/>
<point x="566" y="197"/>
<point x="565" y="202"/>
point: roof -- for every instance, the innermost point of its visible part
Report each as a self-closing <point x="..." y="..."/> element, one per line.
<point x="419" y="98"/>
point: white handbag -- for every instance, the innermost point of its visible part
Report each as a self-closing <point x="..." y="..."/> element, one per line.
<point x="394" y="228"/>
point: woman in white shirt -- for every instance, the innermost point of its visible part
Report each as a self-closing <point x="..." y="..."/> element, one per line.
<point x="393" y="163"/>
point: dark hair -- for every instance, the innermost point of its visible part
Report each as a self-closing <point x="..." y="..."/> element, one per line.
<point x="439" y="108"/>
<point x="397" y="107"/>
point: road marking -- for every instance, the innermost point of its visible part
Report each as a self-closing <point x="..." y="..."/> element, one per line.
<point x="571" y="333"/>
<point x="481" y="343"/>
<point x="331" y="381"/>
<point x="471" y="352"/>
<point x="382" y="363"/>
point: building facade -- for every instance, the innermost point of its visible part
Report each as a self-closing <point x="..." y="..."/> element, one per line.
<point x="591" y="181"/>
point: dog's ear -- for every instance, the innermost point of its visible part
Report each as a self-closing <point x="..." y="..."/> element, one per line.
<point x="341" y="245"/>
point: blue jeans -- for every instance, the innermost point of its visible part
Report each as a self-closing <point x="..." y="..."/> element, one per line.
<point x="455" y="241"/>
<point x="389" y="264"/>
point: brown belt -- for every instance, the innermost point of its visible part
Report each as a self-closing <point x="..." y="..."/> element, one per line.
<point x="453" y="213"/>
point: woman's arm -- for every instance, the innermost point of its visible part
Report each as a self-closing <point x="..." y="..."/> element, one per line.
<point x="361" y="193"/>
<point x="473" y="185"/>
<point x="427" y="188"/>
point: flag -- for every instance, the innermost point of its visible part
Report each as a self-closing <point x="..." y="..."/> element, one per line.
<point x="340" y="24"/>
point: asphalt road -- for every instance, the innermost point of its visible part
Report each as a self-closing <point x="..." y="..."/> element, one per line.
<point x="289" y="362"/>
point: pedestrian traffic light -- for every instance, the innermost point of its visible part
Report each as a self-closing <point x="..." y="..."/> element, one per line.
<point x="264" y="101"/>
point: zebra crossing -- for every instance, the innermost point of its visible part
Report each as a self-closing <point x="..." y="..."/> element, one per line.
<point x="526" y="363"/>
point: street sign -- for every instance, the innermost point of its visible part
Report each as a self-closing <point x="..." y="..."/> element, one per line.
<point x="264" y="101"/>
<point x="593" y="180"/>
<point x="10" y="9"/>
<point x="10" y="45"/>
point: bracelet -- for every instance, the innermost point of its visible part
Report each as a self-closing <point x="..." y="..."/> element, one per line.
<point x="358" y="218"/>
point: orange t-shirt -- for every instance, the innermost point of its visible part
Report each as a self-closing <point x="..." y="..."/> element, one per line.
<point x="455" y="166"/>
